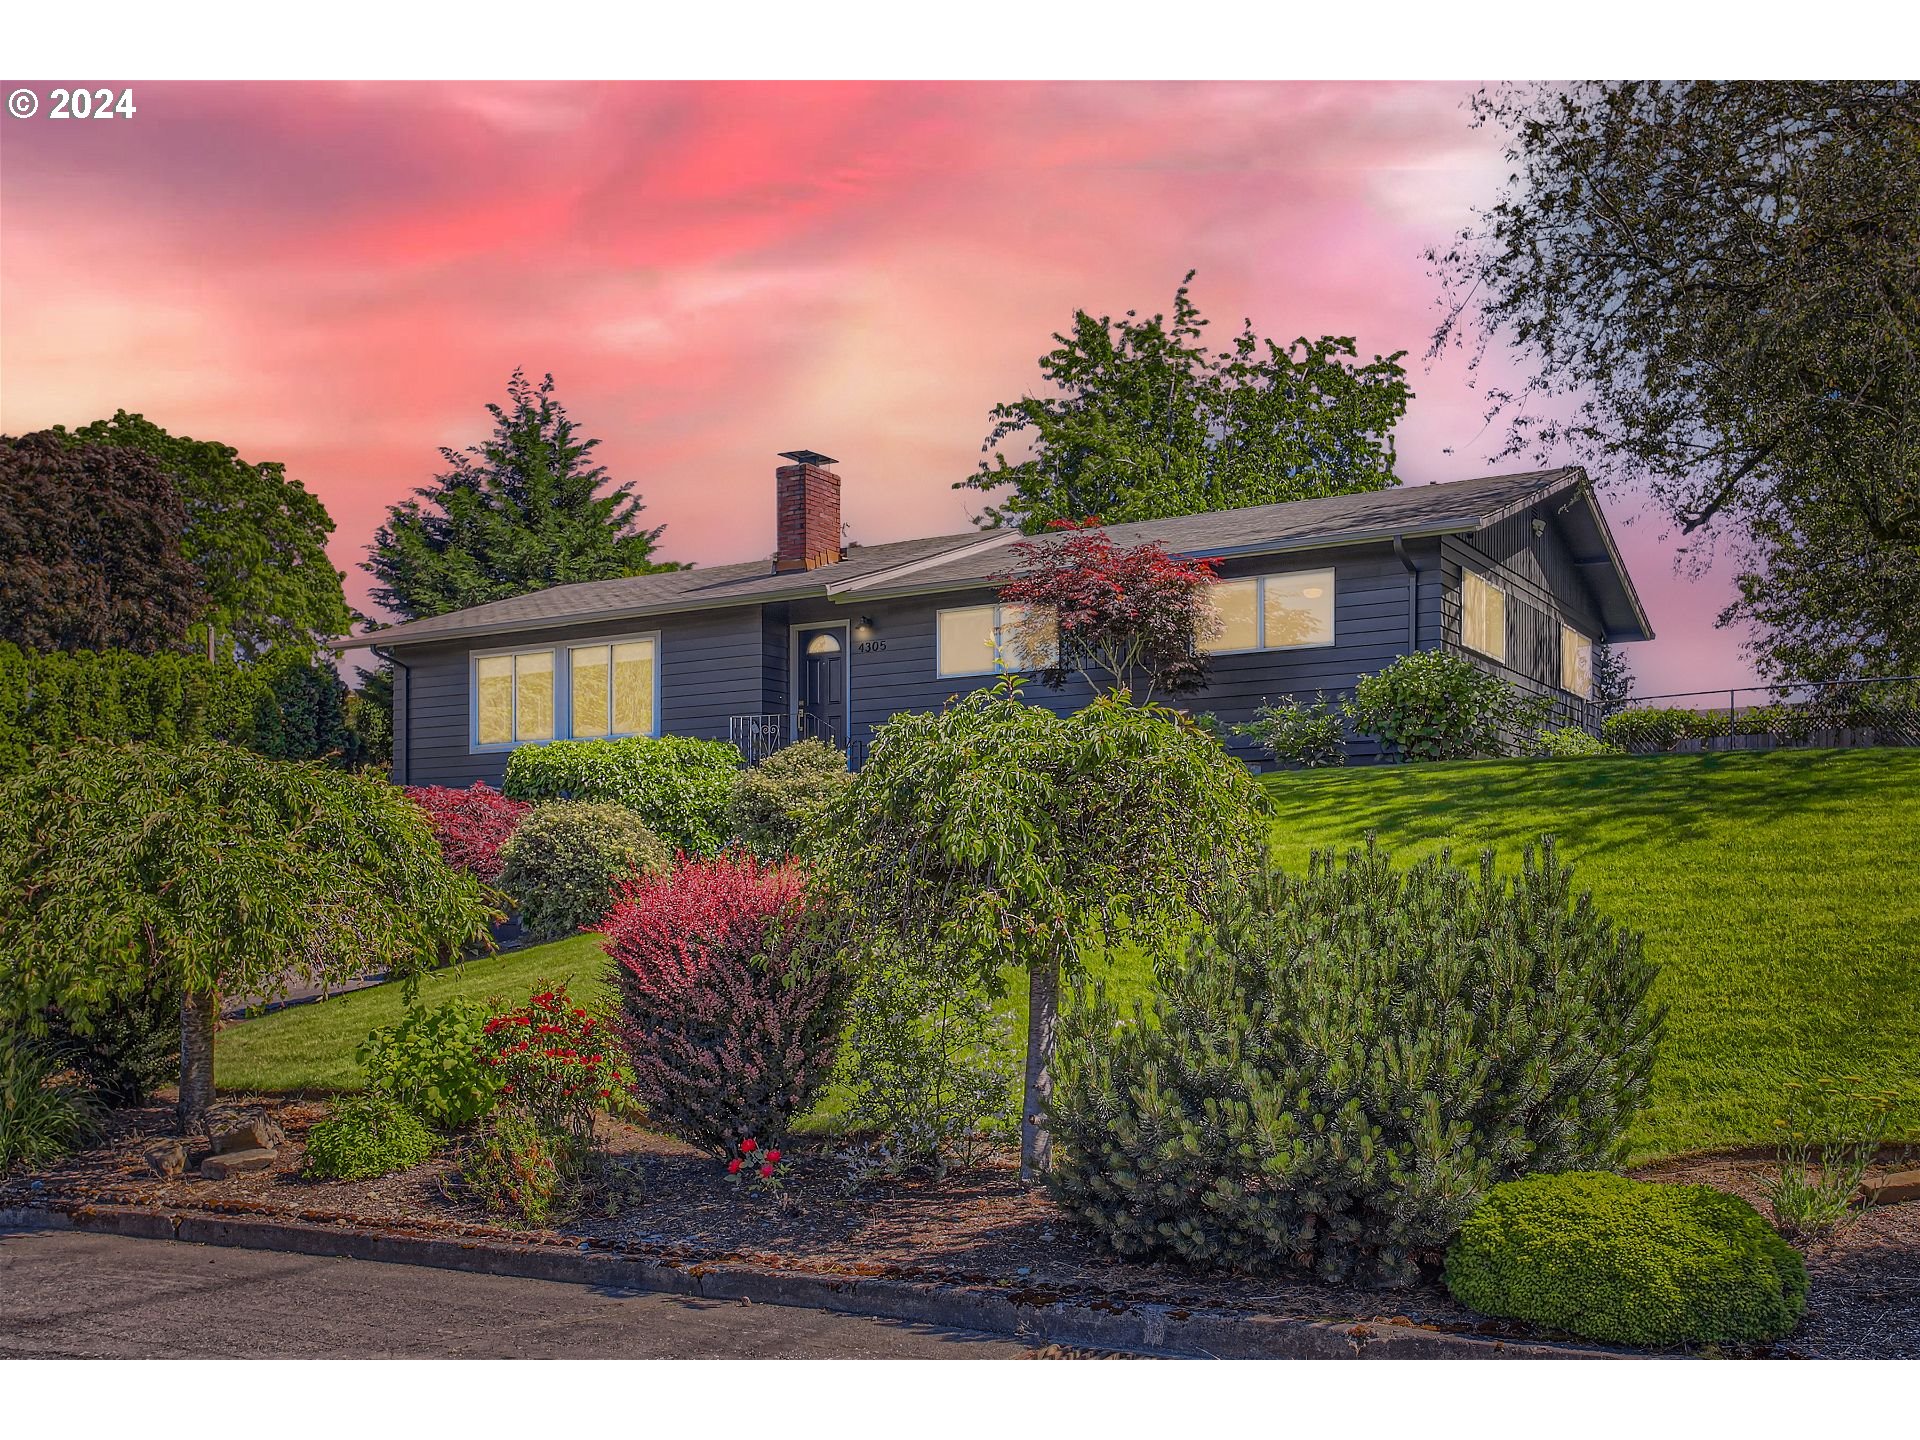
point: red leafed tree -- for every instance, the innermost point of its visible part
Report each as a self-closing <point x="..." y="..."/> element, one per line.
<point x="471" y="825"/>
<point x="731" y="997"/>
<point x="1137" y="616"/>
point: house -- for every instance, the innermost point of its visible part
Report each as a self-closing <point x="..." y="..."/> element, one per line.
<point x="1519" y="572"/>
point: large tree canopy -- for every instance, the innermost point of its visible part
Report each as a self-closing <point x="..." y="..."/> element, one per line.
<point x="522" y="512"/>
<point x="258" y="539"/>
<point x="1140" y="421"/>
<point x="1718" y="288"/>
<point x="90" y="553"/>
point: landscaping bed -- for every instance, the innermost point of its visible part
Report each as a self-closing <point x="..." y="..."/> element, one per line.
<point x="977" y="1227"/>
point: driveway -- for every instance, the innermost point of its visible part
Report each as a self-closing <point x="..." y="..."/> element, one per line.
<point x="70" y="1294"/>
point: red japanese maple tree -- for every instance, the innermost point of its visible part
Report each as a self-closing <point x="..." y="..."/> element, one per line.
<point x="1135" y="615"/>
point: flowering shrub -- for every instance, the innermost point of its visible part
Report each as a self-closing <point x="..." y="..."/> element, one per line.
<point x="762" y="1169"/>
<point x="1135" y="615"/>
<point x="564" y="861"/>
<point x="471" y="825"/>
<point x="515" y="1168"/>
<point x="556" y="1063"/>
<point x="731" y="1005"/>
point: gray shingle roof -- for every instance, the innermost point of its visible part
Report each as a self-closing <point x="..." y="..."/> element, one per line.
<point x="953" y="562"/>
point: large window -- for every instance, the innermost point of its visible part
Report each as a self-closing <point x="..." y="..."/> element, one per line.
<point x="1576" y="663"/>
<point x="513" y="698"/>
<point x="988" y="639"/>
<point x="608" y="688"/>
<point x="1483" y="616"/>
<point x="1272" y="612"/>
<point x="612" y="688"/>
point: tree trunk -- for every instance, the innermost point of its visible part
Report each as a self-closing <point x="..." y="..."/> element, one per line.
<point x="1043" y="1022"/>
<point x="196" y="1059"/>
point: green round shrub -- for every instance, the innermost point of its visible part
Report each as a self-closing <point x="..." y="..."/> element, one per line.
<point x="564" y="860"/>
<point x="680" y="787"/>
<point x="1433" y="705"/>
<point x="368" y="1136"/>
<point x="776" y="801"/>
<point x="1627" y="1262"/>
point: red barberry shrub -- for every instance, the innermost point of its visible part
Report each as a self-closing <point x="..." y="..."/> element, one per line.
<point x="471" y="825"/>
<point x="732" y="992"/>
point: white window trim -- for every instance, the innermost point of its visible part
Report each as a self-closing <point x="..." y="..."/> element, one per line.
<point x="1260" y="611"/>
<point x="1491" y="583"/>
<point x="940" y="670"/>
<point x="562" y="652"/>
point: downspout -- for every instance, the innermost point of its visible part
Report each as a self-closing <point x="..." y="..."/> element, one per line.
<point x="403" y="762"/>
<point x="1413" y="594"/>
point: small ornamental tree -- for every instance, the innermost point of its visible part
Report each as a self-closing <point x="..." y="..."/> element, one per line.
<point x="731" y="998"/>
<point x="471" y="825"/>
<point x="1131" y="618"/>
<point x="216" y="871"/>
<point x="1000" y="833"/>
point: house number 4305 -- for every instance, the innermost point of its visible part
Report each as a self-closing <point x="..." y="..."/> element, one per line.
<point x="869" y="646"/>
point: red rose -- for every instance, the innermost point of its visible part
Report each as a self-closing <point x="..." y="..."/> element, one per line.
<point x="766" y="1172"/>
<point x="747" y="1147"/>
<point x="773" y="1156"/>
<point x="733" y="1166"/>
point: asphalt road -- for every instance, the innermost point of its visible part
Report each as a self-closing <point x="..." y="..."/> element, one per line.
<point x="68" y="1294"/>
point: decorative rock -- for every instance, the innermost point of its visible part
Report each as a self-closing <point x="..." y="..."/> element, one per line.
<point x="232" y="1130"/>
<point x="235" y="1162"/>
<point x="167" y="1158"/>
<point x="1894" y="1189"/>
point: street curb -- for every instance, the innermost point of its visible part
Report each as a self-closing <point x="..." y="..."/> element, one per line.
<point x="1148" y="1328"/>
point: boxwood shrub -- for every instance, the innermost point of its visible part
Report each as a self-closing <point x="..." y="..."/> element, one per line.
<point x="681" y="788"/>
<point x="565" y="859"/>
<point x="1627" y="1262"/>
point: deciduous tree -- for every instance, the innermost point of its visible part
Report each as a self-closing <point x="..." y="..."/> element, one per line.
<point x="1139" y="420"/>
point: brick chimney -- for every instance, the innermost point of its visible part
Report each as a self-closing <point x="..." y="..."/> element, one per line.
<point x="807" y="509"/>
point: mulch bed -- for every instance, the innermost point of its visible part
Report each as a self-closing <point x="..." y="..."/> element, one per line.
<point x="974" y="1227"/>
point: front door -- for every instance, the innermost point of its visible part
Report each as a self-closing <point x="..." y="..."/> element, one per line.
<point x="821" y="685"/>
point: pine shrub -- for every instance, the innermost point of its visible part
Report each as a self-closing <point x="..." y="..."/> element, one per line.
<point x="1627" y="1262"/>
<point x="564" y="860"/>
<point x="680" y="787"/>
<point x="730" y="998"/>
<point x="777" y="801"/>
<point x="1348" y="1061"/>
<point x="472" y="825"/>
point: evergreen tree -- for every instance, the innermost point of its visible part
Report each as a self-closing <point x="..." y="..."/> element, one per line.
<point x="522" y="512"/>
<point x="1612" y="678"/>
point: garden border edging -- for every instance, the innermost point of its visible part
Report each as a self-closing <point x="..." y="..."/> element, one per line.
<point x="1146" y="1327"/>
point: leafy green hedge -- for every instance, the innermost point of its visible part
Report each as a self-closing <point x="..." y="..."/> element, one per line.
<point x="285" y="707"/>
<point x="681" y="788"/>
<point x="1627" y="1262"/>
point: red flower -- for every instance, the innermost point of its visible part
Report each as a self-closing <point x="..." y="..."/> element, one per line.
<point x="733" y="1166"/>
<point x="747" y="1147"/>
<point x="766" y="1172"/>
<point x="773" y="1156"/>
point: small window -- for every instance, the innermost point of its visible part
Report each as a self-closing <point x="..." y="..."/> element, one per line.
<point x="513" y="697"/>
<point x="1483" y="616"/>
<point x="989" y="639"/>
<point x="613" y="689"/>
<point x="825" y="643"/>
<point x="1272" y="612"/>
<point x="1576" y="663"/>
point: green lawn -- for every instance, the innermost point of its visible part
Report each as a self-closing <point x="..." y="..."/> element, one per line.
<point x="1780" y="891"/>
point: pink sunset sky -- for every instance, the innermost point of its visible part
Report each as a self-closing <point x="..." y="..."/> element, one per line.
<point x="340" y="276"/>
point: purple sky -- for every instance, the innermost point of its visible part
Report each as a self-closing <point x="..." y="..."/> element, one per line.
<point x="341" y="276"/>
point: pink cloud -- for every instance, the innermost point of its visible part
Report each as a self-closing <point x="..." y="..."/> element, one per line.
<point x="341" y="276"/>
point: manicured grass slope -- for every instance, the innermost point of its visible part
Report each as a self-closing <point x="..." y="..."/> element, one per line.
<point x="310" y="1047"/>
<point x="1780" y="892"/>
